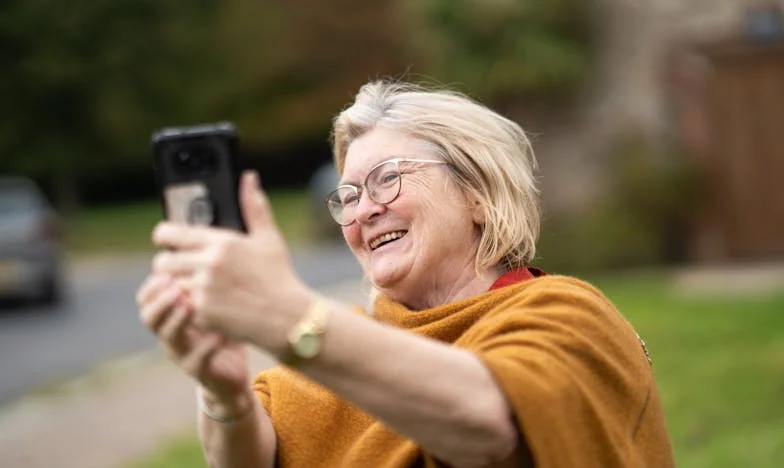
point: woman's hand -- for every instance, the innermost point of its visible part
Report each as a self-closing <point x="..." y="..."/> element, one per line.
<point x="242" y="285"/>
<point x="217" y="364"/>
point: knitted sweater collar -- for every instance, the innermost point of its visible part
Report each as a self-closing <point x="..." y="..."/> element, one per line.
<point x="389" y="311"/>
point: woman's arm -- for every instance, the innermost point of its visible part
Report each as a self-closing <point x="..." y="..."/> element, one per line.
<point x="241" y="436"/>
<point x="240" y="433"/>
<point x="443" y="398"/>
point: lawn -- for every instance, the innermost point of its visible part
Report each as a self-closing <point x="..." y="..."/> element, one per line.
<point x="720" y="367"/>
<point x="123" y="228"/>
<point x="719" y="362"/>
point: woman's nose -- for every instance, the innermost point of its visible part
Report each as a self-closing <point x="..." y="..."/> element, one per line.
<point x="367" y="208"/>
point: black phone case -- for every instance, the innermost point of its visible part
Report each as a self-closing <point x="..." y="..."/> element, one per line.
<point x="197" y="171"/>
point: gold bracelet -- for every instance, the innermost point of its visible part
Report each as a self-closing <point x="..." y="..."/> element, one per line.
<point x="223" y="419"/>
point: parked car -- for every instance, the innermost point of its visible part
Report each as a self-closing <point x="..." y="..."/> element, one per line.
<point x="31" y="243"/>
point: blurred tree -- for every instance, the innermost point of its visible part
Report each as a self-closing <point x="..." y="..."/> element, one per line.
<point x="79" y="83"/>
<point x="302" y="60"/>
<point x="500" y="49"/>
<point x="84" y="86"/>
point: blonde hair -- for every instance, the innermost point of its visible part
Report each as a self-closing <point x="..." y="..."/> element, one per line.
<point x="490" y="157"/>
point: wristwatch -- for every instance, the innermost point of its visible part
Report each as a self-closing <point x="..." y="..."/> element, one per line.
<point x="306" y="337"/>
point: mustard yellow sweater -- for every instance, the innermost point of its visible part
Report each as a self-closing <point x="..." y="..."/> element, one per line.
<point x="575" y="372"/>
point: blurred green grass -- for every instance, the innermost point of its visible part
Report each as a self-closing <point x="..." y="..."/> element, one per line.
<point x="183" y="451"/>
<point x="719" y="363"/>
<point x="127" y="227"/>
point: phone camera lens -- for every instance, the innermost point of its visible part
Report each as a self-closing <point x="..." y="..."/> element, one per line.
<point x="194" y="159"/>
<point x="183" y="157"/>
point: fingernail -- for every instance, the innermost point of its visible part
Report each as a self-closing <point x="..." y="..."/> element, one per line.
<point x="253" y="177"/>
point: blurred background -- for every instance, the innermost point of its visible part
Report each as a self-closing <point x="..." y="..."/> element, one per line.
<point x="657" y="126"/>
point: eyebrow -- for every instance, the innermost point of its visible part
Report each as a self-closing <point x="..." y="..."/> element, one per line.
<point x="388" y="158"/>
<point x="358" y="184"/>
<point x="348" y="182"/>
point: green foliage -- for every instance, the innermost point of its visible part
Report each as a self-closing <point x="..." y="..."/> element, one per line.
<point x="505" y="47"/>
<point x="300" y="66"/>
<point x="84" y="86"/>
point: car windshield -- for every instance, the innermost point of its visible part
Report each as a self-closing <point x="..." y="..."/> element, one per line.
<point x="17" y="200"/>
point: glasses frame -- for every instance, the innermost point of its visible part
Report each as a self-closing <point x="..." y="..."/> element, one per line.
<point x="362" y="188"/>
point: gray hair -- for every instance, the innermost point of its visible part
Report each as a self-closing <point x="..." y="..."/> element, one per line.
<point x="491" y="158"/>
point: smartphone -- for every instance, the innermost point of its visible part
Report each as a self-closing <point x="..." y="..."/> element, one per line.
<point x="197" y="171"/>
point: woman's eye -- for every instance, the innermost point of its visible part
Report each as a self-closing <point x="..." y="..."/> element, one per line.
<point x="349" y="199"/>
<point x="389" y="177"/>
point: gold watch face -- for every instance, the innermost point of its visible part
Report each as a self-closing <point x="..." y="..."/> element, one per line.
<point x="307" y="346"/>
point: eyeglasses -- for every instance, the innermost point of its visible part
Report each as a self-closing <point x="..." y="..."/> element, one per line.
<point x="382" y="185"/>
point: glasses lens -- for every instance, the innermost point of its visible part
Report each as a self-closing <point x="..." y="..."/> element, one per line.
<point x="383" y="183"/>
<point x="342" y="203"/>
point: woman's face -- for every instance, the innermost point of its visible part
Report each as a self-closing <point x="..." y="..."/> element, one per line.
<point x="440" y="236"/>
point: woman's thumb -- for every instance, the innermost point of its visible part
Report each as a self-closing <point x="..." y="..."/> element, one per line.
<point x="254" y="204"/>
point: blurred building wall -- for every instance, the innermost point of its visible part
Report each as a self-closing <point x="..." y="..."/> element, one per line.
<point x="629" y="95"/>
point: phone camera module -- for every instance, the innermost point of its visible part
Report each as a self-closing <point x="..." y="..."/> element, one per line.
<point x="194" y="159"/>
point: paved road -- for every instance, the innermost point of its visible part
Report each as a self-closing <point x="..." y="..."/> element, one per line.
<point x="40" y="346"/>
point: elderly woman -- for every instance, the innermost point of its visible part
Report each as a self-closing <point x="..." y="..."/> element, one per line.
<point x="467" y="357"/>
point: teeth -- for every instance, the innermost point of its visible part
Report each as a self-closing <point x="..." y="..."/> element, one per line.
<point x="386" y="238"/>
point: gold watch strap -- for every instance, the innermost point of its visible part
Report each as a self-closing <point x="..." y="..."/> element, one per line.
<point x="305" y="338"/>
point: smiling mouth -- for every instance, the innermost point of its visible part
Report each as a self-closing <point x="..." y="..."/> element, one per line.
<point x="386" y="239"/>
